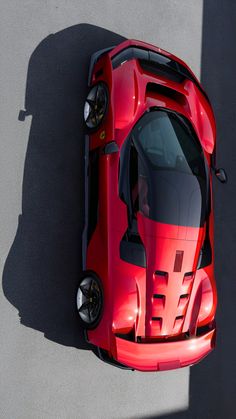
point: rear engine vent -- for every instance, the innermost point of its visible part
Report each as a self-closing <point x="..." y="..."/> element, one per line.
<point x="161" y="273"/>
<point x="160" y="296"/>
<point x="158" y="303"/>
<point x="155" y="63"/>
<point x="179" y="321"/>
<point x="182" y="305"/>
<point x="184" y="296"/>
<point x="166" y="91"/>
<point x="161" y="70"/>
<point x="160" y="281"/>
<point x="187" y="285"/>
<point x="188" y="274"/>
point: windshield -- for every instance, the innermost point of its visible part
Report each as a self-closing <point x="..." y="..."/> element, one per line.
<point x="168" y="172"/>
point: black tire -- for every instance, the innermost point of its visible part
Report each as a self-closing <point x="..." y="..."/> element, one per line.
<point x="89" y="300"/>
<point x="96" y="105"/>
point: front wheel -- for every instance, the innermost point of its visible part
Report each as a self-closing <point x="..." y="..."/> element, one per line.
<point x="89" y="300"/>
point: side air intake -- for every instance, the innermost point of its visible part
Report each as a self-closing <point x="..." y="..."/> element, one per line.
<point x="158" y="89"/>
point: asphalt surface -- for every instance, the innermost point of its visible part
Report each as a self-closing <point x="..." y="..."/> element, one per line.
<point x="46" y="368"/>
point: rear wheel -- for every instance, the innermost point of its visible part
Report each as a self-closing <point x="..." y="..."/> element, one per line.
<point x="95" y="106"/>
<point x="89" y="300"/>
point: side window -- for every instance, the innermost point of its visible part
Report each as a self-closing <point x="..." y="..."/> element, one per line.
<point x="133" y="178"/>
<point x="139" y="187"/>
<point x="124" y="188"/>
<point x="130" y="181"/>
<point x="131" y="246"/>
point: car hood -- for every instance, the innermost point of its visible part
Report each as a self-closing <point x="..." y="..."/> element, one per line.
<point x="172" y="254"/>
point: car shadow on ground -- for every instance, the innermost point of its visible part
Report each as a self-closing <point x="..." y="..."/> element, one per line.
<point x="213" y="381"/>
<point x="44" y="263"/>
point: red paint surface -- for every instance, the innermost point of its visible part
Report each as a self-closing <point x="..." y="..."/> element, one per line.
<point x="129" y="303"/>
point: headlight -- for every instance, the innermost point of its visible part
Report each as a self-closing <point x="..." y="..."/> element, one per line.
<point x="205" y="312"/>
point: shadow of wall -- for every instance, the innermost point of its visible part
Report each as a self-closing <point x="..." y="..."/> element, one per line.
<point x="213" y="383"/>
<point x="44" y="263"/>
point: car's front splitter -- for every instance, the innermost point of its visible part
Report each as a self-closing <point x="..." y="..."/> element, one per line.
<point x="164" y="356"/>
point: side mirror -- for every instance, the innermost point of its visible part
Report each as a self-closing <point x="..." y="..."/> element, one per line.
<point x="111" y="148"/>
<point x="221" y="175"/>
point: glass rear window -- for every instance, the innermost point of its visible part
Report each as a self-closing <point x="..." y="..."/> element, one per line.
<point x="168" y="171"/>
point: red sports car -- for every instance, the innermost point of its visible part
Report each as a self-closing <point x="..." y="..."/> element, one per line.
<point x="147" y="297"/>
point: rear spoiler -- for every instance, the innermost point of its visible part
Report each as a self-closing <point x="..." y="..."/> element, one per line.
<point x="156" y="63"/>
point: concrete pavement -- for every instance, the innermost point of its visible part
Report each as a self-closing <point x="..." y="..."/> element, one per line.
<point x="46" y="371"/>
